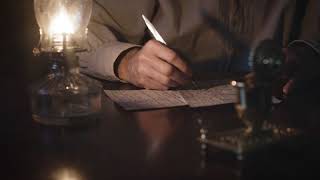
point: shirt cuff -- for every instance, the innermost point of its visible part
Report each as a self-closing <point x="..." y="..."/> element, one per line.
<point x="315" y="45"/>
<point x="100" y="62"/>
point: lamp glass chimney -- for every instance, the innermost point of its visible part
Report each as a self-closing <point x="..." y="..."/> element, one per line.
<point x="62" y="21"/>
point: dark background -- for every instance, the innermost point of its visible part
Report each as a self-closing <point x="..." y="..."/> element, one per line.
<point x="19" y="68"/>
<point x="19" y="34"/>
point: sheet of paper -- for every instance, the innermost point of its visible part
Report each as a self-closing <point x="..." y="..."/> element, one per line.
<point x="146" y="99"/>
<point x="152" y="99"/>
<point x="222" y="94"/>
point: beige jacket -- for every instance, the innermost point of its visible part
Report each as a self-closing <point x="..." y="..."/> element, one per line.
<point x="211" y="35"/>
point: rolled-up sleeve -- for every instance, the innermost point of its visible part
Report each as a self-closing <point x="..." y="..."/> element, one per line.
<point x="99" y="62"/>
<point x="111" y="32"/>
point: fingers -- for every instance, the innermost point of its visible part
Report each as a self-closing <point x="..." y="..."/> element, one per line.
<point x="149" y="72"/>
<point x="286" y="88"/>
<point x="152" y="84"/>
<point x="164" y="80"/>
<point x="178" y="77"/>
<point x="169" y="56"/>
<point x="167" y="70"/>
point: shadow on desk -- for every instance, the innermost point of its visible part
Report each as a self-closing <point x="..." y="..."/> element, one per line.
<point x="152" y="144"/>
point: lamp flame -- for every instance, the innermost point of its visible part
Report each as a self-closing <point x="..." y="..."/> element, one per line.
<point x="61" y="23"/>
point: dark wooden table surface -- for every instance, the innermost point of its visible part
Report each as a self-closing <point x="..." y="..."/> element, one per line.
<point x="149" y="144"/>
<point x="145" y="145"/>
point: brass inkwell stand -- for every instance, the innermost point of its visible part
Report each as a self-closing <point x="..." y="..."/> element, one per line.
<point x="254" y="107"/>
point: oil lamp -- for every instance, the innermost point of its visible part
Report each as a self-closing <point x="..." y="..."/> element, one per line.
<point x="64" y="96"/>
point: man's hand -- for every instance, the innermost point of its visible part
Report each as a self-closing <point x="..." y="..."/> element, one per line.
<point x="301" y="71"/>
<point x="291" y="63"/>
<point x="154" y="66"/>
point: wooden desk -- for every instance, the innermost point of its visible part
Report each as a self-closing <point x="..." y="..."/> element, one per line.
<point x="148" y="144"/>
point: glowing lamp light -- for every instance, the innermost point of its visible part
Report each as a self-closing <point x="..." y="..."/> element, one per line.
<point x="61" y="23"/>
<point x="66" y="174"/>
<point x="65" y="96"/>
<point x="62" y="20"/>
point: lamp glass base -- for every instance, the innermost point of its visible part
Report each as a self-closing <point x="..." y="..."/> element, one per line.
<point x="66" y="99"/>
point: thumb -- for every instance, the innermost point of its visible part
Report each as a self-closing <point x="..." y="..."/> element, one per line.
<point x="287" y="87"/>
